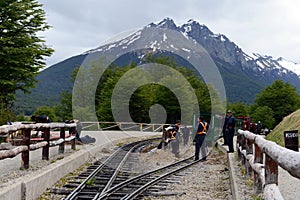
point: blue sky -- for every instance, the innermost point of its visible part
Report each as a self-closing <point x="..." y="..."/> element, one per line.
<point x="268" y="27"/>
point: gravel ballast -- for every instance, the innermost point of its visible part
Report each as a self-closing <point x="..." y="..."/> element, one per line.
<point x="205" y="180"/>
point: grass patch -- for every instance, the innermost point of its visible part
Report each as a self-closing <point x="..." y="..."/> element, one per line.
<point x="120" y="144"/>
<point x="257" y="197"/>
<point x="60" y="158"/>
<point x="290" y="122"/>
<point x="249" y="182"/>
<point x="91" y="182"/>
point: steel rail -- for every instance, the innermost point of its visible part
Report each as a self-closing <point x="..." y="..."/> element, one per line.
<point x="136" y="178"/>
<point x="83" y="184"/>
<point x="147" y="185"/>
<point x="112" y="179"/>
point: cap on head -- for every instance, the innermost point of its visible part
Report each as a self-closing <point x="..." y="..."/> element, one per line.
<point x="229" y="111"/>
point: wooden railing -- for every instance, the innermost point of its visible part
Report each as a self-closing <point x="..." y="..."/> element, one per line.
<point x="261" y="159"/>
<point x="44" y="143"/>
<point x="124" y="126"/>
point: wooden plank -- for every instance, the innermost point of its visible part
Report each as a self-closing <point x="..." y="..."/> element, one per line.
<point x="258" y="159"/>
<point x="26" y="142"/>
<point x="12" y="152"/>
<point x="45" y="152"/>
<point x="271" y="171"/>
<point x="61" y="148"/>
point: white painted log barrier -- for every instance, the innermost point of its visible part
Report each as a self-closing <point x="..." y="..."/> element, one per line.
<point x="45" y="143"/>
<point x="5" y="129"/>
<point x="267" y="171"/>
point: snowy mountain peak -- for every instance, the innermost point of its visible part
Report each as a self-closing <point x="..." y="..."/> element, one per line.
<point x="165" y="23"/>
<point x="217" y="45"/>
<point x="191" y="21"/>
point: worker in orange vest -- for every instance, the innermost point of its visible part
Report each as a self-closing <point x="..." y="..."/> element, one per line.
<point x="199" y="138"/>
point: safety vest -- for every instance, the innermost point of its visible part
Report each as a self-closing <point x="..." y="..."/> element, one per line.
<point x="173" y="134"/>
<point x="204" y="128"/>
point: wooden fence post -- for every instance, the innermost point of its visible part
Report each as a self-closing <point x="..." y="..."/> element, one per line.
<point x="72" y="131"/>
<point x="46" y="148"/>
<point x="249" y="150"/>
<point x="239" y="141"/>
<point x="61" y="147"/>
<point x="243" y="145"/>
<point x="26" y="141"/>
<point x="271" y="171"/>
<point x="258" y="158"/>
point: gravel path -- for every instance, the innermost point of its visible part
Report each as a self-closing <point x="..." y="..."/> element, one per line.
<point x="205" y="180"/>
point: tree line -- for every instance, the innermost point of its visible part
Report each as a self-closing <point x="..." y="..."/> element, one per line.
<point x="272" y="104"/>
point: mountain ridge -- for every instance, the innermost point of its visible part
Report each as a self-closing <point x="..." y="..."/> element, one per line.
<point x="244" y="75"/>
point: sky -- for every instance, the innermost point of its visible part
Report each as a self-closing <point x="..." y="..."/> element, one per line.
<point x="267" y="27"/>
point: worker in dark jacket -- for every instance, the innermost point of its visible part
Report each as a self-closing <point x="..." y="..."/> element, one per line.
<point x="230" y="125"/>
<point x="200" y="137"/>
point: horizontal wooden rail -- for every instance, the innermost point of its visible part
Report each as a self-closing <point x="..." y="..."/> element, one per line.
<point x="125" y="125"/>
<point x="45" y="143"/>
<point x="252" y="149"/>
<point x="5" y="129"/>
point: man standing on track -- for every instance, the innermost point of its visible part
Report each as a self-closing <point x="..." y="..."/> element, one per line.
<point x="199" y="139"/>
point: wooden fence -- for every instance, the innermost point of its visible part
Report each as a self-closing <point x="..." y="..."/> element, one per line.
<point x="124" y="126"/>
<point x="261" y="159"/>
<point x="46" y="142"/>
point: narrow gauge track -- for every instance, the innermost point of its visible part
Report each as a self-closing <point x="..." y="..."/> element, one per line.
<point x="112" y="170"/>
<point x="137" y="187"/>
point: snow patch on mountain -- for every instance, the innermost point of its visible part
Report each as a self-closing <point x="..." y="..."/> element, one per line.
<point x="292" y="66"/>
<point x="117" y="41"/>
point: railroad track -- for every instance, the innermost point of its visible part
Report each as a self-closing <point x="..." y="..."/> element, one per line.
<point x="138" y="186"/>
<point x="113" y="177"/>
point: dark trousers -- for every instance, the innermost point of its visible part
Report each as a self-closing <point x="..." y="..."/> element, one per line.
<point x="225" y="136"/>
<point x="185" y="139"/>
<point x="175" y="147"/>
<point x="199" y="139"/>
<point x="230" y="134"/>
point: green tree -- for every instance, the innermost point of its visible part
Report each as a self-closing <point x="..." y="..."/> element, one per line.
<point x="238" y="109"/>
<point x="5" y="114"/>
<point x="22" y="50"/>
<point x="63" y="110"/>
<point x="48" y="111"/>
<point x="281" y="97"/>
<point x="105" y="91"/>
<point x="265" y="115"/>
<point x="150" y="93"/>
